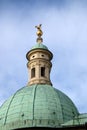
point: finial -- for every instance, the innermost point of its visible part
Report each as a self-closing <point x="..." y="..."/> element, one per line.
<point x="39" y="33"/>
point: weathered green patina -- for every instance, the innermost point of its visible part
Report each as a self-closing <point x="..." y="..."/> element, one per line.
<point x="36" y="106"/>
<point x="39" y="46"/>
<point x="77" y="120"/>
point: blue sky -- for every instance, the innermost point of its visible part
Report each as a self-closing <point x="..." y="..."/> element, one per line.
<point x="64" y="23"/>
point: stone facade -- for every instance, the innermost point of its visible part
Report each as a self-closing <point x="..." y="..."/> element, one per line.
<point x="39" y="66"/>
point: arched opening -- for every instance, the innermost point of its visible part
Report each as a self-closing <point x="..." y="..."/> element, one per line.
<point x="43" y="71"/>
<point x="32" y="72"/>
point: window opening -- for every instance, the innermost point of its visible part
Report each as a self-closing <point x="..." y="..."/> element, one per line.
<point x="43" y="71"/>
<point x="32" y="72"/>
<point x="33" y="56"/>
<point x="42" y="55"/>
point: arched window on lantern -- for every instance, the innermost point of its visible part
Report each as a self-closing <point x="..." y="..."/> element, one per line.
<point x="43" y="71"/>
<point x="32" y="72"/>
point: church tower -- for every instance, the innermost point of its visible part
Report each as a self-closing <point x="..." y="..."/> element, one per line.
<point x="39" y="62"/>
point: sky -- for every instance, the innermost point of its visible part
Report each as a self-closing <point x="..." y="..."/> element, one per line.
<point x="64" y="25"/>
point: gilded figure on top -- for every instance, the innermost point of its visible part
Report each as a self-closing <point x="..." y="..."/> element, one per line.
<point x="39" y="31"/>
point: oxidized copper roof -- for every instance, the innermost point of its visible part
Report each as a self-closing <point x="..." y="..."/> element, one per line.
<point x="36" y="106"/>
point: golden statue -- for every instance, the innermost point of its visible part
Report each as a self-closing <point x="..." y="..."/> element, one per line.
<point x="39" y="33"/>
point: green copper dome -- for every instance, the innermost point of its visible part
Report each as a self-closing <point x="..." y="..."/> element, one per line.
<point x="36" y="106"/>
<point x="39" y="46"/>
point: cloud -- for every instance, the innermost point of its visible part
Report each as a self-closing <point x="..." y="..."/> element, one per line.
<point x="65" y="29"/>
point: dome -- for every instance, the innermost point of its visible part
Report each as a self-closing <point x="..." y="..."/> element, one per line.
<point x="36" y="106"/>
<point x="39" y="46"/>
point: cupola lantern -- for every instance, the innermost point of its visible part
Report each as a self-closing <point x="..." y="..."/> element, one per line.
<point x="39" y="62"/>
